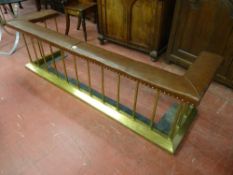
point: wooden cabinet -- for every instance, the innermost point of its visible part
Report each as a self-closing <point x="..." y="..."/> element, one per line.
<point x="140" y="24"/>
<point x="203" y="25"/>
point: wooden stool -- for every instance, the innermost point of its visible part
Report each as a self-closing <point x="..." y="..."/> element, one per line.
<point x="80" y="10"/>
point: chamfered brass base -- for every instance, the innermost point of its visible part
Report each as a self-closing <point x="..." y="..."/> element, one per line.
<point x="153" y="135"/>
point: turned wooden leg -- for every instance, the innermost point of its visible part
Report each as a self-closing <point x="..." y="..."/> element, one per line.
<point x="11" y="8"/>
<point x="79" y="22"/>
<point x="20" y="5"/>
<point x="83" y="17"/>
<point x="154" y="55"/>
<point x="46" y="6"/>
<point x="101" y="39"/>
<point x="38" y="5"/>
<point x="5" y="9"/>
<point x="67" y="24"/>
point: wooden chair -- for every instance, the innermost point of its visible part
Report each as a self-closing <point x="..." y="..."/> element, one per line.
<point x="11" y="8"/>
<point x="79" y="9"/>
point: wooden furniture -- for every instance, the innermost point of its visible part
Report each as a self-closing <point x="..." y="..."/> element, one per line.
<point x="38" y="4"/>
<point x="57" y="5"/>
<point x="186" y="90"/>
<point x="143" y="25"/>
<point x="203" y="25"/>
<point x="13" y="12"/>
<point x="79" y="9"/>
<point x="9" y="3"/>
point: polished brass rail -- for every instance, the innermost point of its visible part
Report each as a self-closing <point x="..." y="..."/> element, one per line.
<point x="186" y="91"/>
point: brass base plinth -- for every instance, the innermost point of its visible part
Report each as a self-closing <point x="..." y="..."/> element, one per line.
<point x="152" y="134"/>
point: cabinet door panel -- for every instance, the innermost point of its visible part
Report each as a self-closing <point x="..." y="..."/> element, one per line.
<point x="229" y="72"/>
<point x="143" y="25"/>
<point x="142" y="17"/>
<point x="222" y="38"/>
<point x="195" y="27"/>
<point x="115" y="19"/>
<point x="226" y="69"/>
<point x="204" y="25"/>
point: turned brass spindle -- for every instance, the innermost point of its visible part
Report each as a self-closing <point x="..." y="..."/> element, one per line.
<point x="118" y="90"/>
<point x="41" y="49"/>
<point x="26" y="44"/>
<point x="52" y="55"/>
<point x="64" y="65"/>
<point x="135" y="99"/>
<point x="89" y="77"/>
<point x="35" y="52"/>
<point x="55" y="20"/>
<point x="174" y="124"/>
<point x="156" y="100"/>
<point x="183" y="113"/>
<point x="102" y="83"/>
<point x="190" y="109"/>
<point x="76" y="71"/>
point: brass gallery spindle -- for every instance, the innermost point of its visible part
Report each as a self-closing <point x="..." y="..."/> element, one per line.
<point x="34" y="48"/>
<point x="183" y="113"/>
<point x="76" y="70"/>
<point x="30" y="57"/>
<point x="102" y="83"/>
<point x="89" y="77"/>
<point x="156" y="100"/>
<point x="189" y="110"/>
<point x="135" y="99"/>
<point x="64" y="65"/>
<point x="41" y="49"/>
<point x="55" y="20"/>
<point x="118" y="90"/>
<point x="174" y="124"/>
<point x="52" y="55"/>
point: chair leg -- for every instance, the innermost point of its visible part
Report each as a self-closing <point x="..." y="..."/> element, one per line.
<point x="84" y="26"/>
<point x="79" y="22"/>
<point x="38" y="5"/>
<point x="20" y="5"/>
<point x="46" y="4"/>
<point x="11" y="8"/>
<point x="67" y="24"/>
<point x="5" y="9"/>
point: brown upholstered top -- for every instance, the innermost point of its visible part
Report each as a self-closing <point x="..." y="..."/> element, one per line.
<point x="42" y="33"/>
<point x="190" y="87"/>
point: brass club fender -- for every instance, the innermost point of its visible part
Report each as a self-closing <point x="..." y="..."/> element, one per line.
<point x="52" y="54"/>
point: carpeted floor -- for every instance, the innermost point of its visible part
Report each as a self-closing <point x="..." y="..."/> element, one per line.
<point x="44" y="130"/>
